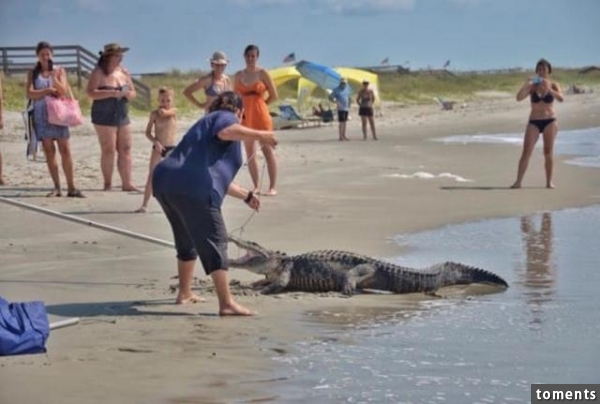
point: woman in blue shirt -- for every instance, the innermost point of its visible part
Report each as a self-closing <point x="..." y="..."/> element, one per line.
<point x="190" y="185"/>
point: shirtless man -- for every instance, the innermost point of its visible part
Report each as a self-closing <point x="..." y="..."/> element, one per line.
<point x="164" y="121"/>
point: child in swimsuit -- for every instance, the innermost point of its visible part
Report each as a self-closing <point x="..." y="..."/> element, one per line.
<point x="164" y="121"/>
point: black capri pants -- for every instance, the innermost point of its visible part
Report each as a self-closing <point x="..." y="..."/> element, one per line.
<point x="198" y="230"/>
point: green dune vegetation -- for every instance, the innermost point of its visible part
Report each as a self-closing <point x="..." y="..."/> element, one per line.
<point x="413" y="88"/>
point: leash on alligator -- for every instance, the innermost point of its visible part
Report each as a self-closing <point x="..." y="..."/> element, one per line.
<point x="242" y="228"/>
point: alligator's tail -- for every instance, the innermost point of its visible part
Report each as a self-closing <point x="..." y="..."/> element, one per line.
<point x="454" y="273"/>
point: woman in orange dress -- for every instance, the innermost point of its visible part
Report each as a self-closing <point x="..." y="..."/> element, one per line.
<point x="257" y="90"/>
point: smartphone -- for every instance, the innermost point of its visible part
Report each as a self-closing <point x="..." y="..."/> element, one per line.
<point x="535" y="80"/>
<point x="50" y="65"/>
<point x="125" y="88"/>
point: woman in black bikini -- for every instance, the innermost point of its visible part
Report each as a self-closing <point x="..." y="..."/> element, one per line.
<point x="542" y="119"/>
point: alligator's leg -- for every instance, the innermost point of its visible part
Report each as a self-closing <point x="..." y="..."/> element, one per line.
<point x="355" y="277"/>
<point x="281" y="282"/>
<point x="260" y="283"/>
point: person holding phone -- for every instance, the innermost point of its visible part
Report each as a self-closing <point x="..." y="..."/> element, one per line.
<point x="542" y="119"/>
<point x="111" y="88"/>
<point x="46" y="80"/>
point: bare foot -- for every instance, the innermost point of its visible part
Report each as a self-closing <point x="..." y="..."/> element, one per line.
<point x="191" y="298"/>
<point x="270" y="192"/>
<point x="130" y="188"/>
<point x="234" y="309"/>
<point x="550" y="185"/>
<point x="515" y="186"/>
<point x="107" y="187"/>
<point x="53" y="193"/>
<point x="143" y="209"/>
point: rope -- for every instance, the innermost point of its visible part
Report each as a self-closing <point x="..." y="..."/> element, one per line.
<point x="242" y="228"/>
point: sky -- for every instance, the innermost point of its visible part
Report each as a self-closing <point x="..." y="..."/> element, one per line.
<point x="183" y="34"/>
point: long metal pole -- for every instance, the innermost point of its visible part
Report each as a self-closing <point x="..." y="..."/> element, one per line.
<point x="97" y="225"/>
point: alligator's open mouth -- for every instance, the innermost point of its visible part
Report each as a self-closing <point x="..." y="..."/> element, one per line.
<point x="243" y="259"/>
<point x="248" y="252"/>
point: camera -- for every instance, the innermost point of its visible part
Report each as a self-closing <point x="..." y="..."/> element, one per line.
<point x="535" y="80"/>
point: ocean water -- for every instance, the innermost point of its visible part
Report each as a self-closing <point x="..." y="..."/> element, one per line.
<point x="470" y="347"/>
<point x="582" y="144"/>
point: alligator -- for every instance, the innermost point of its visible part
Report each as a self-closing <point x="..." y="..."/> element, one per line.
<point x="347" y="272"/>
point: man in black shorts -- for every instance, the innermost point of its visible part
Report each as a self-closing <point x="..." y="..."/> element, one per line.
<point x="341" y="96"/>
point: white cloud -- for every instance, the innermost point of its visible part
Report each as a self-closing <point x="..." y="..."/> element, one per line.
<point x="337" y="6"/>
<point x="358" y="6"/>
<point x="466" y="3"/>
<point x="93" y="5"/>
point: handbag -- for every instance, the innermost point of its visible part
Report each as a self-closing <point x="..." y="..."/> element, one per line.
<point x="63" y="111"/>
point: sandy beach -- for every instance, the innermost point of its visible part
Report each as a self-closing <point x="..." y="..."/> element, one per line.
<point x="134" y="345"/>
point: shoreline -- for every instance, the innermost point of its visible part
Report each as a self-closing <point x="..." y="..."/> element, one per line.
<point x="332" y="195"/>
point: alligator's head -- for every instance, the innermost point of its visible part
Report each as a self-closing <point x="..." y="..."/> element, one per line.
<point x="257" y="259"/>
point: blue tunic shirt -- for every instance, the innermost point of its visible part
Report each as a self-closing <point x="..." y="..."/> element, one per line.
<point x="341" y="97"/>
<point x="201" y="166"/>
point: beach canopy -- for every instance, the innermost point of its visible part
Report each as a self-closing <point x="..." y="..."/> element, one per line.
<point x="355" y="77"/>
<point x="24" y="328"/>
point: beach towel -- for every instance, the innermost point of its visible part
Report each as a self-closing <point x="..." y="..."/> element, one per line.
<point x="24" y="327"/>
<point x="30" y="136"/>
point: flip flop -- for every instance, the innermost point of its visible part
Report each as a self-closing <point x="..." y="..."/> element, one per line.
<point x="53" y="193"/>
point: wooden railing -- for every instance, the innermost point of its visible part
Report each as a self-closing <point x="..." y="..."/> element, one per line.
<point x="74" y="58"/>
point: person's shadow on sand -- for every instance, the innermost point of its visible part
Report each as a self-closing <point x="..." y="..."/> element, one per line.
<point x="539" y="274"/>
<point x="124" y="308"/>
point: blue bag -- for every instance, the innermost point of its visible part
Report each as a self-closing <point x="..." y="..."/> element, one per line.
<point x="24" y="328"/>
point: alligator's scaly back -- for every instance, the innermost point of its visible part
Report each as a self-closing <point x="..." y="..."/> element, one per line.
<point x="399" y="279"/>
<point x="343" y="271"/>
<point x="455" y="273"/>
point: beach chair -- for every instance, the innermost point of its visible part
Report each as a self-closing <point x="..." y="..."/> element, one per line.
<point x="289" y="118"/>
<point x="446" y="105"/>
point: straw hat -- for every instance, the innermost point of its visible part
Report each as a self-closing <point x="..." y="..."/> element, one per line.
<point x="219" y="58"/>
<point x="112" y="48"/>
<point x="365" y="81"/>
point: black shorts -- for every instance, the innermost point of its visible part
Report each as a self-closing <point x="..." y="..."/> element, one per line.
<point x="198" y="230"/>
<point x="110" y="112"/>
<point x="365" y="111"/>
<point x="342" y="116"/>
<point x="166" y="150"/>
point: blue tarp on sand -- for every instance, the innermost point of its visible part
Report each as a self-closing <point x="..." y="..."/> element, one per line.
<point x="24" y="328"/>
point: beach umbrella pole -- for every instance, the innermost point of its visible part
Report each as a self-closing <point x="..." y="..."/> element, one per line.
<point x="64" y="323"/>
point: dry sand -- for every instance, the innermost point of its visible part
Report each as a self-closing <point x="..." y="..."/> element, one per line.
<point x="133" y="345"/>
